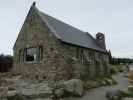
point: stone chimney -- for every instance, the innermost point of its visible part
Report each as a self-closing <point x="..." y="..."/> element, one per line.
<point x="100" y="38"/>
<point x="34" y="3"/>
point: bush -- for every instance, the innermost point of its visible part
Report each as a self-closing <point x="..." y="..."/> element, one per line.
<point x="5" y="63"/>
<point x="110" y="81"/>
<point x="116" y="68"/>
<point x="113" y="70"/>
<point x="104" y="81"/>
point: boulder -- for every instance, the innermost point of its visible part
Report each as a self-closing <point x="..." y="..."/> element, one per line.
<point x="25" y="90"/>
<point x="128" y="99"/>
<point x="11" y="93"/>
<point x="3" y="91"/>
<point x="114" y="95"/>
<point x="74" y="87"/>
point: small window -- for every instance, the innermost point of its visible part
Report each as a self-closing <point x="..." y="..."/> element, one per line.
<point x="31" y="55"/>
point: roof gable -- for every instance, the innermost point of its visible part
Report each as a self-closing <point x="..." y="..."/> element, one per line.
<point x="68" y="33"/>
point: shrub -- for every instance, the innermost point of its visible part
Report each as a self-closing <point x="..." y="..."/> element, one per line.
<point x="5" y="63"/>
<point x="113" y="70"/>
<point x="116" y="68"/>
<point x="91" y="84"/>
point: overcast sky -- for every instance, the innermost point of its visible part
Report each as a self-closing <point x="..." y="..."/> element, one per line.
<point x="112" y="17"/>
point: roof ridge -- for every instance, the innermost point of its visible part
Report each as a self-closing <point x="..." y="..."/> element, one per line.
<point x="68" y="33"/>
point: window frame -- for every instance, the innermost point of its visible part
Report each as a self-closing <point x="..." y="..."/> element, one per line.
<point x="22" y="53"/>
<point x="25" y="55"/>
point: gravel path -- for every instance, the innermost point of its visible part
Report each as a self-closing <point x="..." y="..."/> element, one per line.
<point x="99" y="93"/>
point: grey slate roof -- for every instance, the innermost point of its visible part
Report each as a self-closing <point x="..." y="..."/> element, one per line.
<point x="70" y="34"/>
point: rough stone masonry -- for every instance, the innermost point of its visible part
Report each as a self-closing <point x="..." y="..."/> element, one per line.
<point x="49" y="48"/>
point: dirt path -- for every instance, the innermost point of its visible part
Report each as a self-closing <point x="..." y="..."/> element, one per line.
<point x="99" y="93"/>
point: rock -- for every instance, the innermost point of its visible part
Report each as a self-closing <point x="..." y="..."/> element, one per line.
<point x="42" y="99"/>
<point x="114" y="95"/>
<point x="3" y="91"/>
<point x="24" y="89"/>
<point x="103" y="82"/>
<point x="32" y="90"/>
<point x="74" y="86"/>
<point x="128" y="99"/>
<point x="91" y="84"/>
<point x="17" y="97"/>
<point x="11" y="88"/>
<point x="108" y="81"/>
<point x="11" y="93"/>
<point x="36" y="90"/>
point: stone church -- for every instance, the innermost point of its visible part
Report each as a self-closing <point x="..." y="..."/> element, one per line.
<point x="48" y="47"/>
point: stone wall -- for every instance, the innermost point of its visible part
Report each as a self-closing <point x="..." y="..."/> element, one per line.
<point x="60" y="60"/>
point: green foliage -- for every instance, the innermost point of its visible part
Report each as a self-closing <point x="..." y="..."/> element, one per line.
<point x="97" y="82"/>
<point x="91" y="84"/>
<point x="116" y="68"/>
<point x="116" y="60"/>
<point x="121" y="60"/>
<point x="113" y="70"/>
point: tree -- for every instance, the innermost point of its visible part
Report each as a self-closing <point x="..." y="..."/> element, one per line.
<point x="6" y="62"/>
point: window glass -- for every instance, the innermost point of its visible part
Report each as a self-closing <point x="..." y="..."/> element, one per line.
<point x="31" y="55"/>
